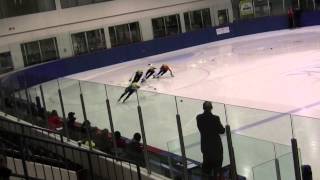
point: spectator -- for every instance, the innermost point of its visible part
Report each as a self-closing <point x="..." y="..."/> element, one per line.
<point x="86" y="125"/>
<point x="54" y="121"/>
<point x="5" y="172"/>
<point x="134" y="150"/>
<point x="119" y="141"/>
<point x="210" y="127"/>
<point x="102" y="141"/>
<point x="291" y="18"/>
<point x="71" y="120"/>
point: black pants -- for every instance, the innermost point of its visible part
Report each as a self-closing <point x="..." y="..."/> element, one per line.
<point x="211" y="163"/>
<point x="149" y="73"/>
<point x="127" y="91"/>
<point x="161" y="72"/>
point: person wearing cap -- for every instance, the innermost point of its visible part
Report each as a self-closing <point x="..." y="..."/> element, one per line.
<point x="133" y="87"/>
<point x="210" y="128"/>
<point x="136" y="77"/>
<point x="71" y="119"/>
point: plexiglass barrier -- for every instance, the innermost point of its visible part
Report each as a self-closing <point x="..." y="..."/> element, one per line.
<point x="159" y="119"/>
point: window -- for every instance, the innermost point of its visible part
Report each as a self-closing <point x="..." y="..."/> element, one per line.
<point x="11" y="8"/>
<point x="5" y="62"/>
<point x="223" y="17"/>
<point x="39" y="51"/>
<point x="89" y="41"/>
<point x="261" y="8"/>
<point x="124" y="34"/>
<point x="199" y="19"/>
<point x="74" y="3"/>
<point x="166" y="26"/>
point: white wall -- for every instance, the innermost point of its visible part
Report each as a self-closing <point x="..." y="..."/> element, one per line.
<point x="91" y="16"/>
<point x="62" y="22"/>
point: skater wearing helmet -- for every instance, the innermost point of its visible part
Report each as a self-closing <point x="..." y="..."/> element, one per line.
<point x="163" y="69"/>
<point x="149" y="73"/>
<point x="136" y="77"/>
<point x="133" y="87"/>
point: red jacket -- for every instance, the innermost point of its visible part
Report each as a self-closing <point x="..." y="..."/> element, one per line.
<point x="54" y="122"/>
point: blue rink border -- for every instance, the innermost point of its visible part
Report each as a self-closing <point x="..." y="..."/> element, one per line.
<point x="44" y="72"/>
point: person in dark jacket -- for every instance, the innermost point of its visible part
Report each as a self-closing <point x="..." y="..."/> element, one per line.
<point x="210" y="127"/>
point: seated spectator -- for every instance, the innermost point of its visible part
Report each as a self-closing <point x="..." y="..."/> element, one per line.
<point x="71" y="119"/>
<point x="54" y="121"/>
<point x="103" y="141"/>
<point x="86" y="125"/>
<point x="5" y="172"/>
<point x="134" y="150"/>
<point x="119" y="141"/>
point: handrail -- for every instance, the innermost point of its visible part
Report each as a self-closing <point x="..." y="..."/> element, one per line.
<point x="70" y="146"/>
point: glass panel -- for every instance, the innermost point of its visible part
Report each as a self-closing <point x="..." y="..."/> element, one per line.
<point x="32" y="53"/>
<point x="73" y="3"/>
<point x="135" y="32"/>
<point x="172" y="24"/>
<point x="10" y="8"/>
<point x="265" y="171"/>
<point x="276" y="7"/>
<point x="51" y="96"/>
<point x="158" y="27"/>
<point x="259" y="123"/>
<point x="113" y="38"/>
<point x="79" y="43"/>
<point x="223" y="16"/>
<point x="307" y="133"/>
<point x="317" y="2"/>
<point x="49" y="49"/>
<point x="94" y="96"/>
<point x="261" y="8"/>
<point x="125" y="115"/>
<point x="187" y="21"/>
<point x="306" y="5"/>
<point x="70" y="91"/>
<point x="123" y="34"/>
<point x="196" y="20"/>
<point x="96" y="40"/>
<point x="286" y="167"/>
<point x="5" y="62"/>
<point x="158" y="110"/>
<point x="250" y="152"/>
<point x="206" y="18"/>
<point x="68" y="3"/>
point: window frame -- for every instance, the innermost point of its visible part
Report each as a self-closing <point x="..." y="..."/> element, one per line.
<point x="116" y="38"/>
<point x="190" y="27"/>
<point x="165" y="25"/>
<point x="25" y="54"/>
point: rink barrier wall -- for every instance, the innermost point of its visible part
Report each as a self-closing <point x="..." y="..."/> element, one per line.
<point x="60" y="68"/>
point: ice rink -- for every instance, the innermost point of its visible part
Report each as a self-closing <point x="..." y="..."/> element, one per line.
<point x="260" y="78"/>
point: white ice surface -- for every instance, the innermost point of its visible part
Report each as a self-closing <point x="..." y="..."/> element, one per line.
<point x="275" y="71"/>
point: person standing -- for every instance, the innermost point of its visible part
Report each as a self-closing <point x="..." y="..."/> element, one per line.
<point x="210" y="127"/>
